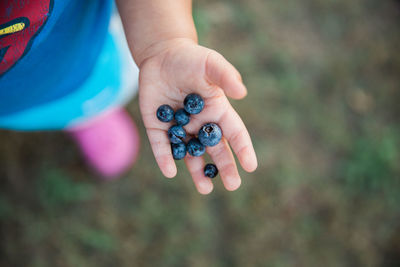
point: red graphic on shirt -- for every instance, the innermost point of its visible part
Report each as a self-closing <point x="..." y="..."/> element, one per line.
<point x="20" y="22"/>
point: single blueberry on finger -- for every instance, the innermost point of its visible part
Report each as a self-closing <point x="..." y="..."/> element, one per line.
<point x="210" y="170"/>
<point x="165" y="113"/>
<point x="210" y="134"/>
<point x="182" y="117"/>
<point x="193" y="104"/>
<point x="178" y="150"/>
<point x="195" y="148"/>
<point x="176" y="134"/>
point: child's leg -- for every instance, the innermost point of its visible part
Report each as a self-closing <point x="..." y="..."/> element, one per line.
<point x="110" y="142"/>
<point x="93" y="114"/>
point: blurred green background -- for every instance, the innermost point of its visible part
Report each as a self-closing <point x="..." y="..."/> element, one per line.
<point x="323" y="111"/>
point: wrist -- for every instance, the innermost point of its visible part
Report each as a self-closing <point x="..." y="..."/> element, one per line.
<point x="161" y="46"/>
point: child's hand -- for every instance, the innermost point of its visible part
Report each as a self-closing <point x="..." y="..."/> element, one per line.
<point x="175" y="68"/>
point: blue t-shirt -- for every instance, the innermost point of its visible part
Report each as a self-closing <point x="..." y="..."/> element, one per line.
<point x="48" y="48"/>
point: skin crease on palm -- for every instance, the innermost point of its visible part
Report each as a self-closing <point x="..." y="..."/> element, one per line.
<point x="175" y="69"/>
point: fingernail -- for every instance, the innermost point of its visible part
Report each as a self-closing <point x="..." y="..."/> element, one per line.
<point x="204" y="187"/>
<point x="233" y="183"/>
<point x="170" y="172"/>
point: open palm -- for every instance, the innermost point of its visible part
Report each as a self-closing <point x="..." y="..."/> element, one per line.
<point x="182" y="67"/>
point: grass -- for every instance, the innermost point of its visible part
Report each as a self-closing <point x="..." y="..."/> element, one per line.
<point x="324" y="117"/>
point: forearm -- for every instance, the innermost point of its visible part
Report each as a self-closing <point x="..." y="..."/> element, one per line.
<point x="149" y="22"/>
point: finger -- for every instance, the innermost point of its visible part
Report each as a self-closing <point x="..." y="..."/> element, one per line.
<point x="223" y="74"/>
<point x="162" y="151"/>
<point x="222" y="156"/>
<point x="196" y="168"/>
<point x="236" y="133"/>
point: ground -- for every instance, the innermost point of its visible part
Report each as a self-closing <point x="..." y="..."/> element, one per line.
<point x="324" y="116"/>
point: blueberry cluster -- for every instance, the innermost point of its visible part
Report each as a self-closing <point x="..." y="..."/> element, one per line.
<point x="210" y="134"/>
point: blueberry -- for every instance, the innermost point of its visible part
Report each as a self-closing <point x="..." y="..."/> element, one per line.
<point x="210" y="134"/>
<point x="182" y="117"/>
<point x="165" y="113"/>
<point x="193" y="103"/>
<point x="195" y="148"/>
<point x="210" y="170"/>
<point x="176" y="134"/>
<point x="178" y="150"/>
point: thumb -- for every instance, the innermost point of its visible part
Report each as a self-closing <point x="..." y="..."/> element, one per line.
<point x="223" y="74"/>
